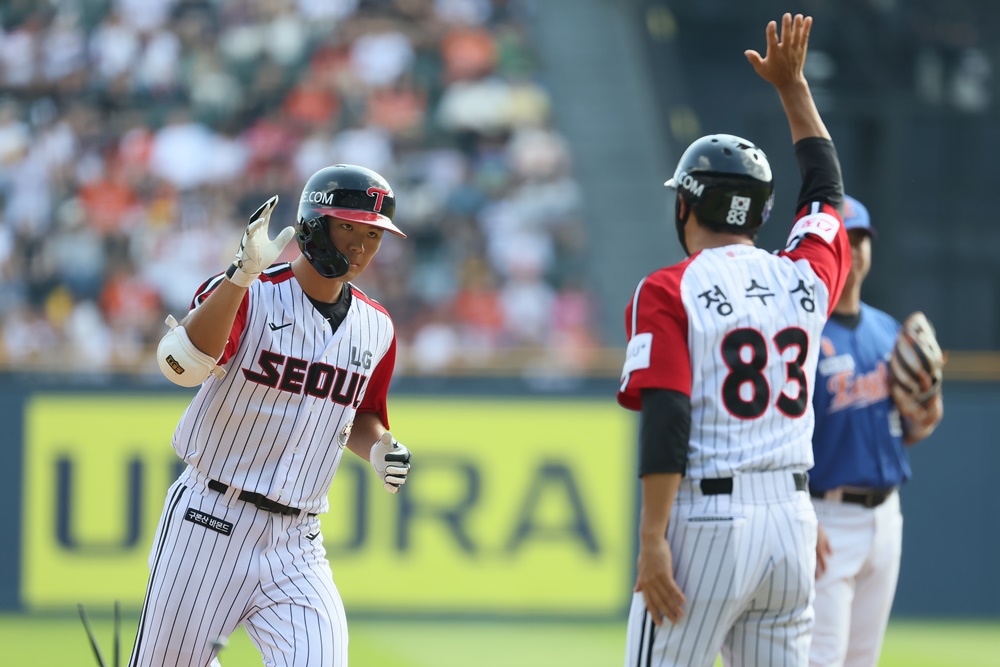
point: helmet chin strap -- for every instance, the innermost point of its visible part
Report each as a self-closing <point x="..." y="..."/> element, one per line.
<point x="681" y="221"/>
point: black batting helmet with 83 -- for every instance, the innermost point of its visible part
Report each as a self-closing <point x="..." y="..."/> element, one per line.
<point x="347" y="192"/>
<point x="726" y="181"/>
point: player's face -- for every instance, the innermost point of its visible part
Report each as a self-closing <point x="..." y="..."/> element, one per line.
<point x="358" y="241"/>
<point x="861" y="254"/>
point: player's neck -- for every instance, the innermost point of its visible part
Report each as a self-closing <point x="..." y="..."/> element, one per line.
<point x="700" y="238"/>
<point x="850" y="301"/>
<point x="716" y="240"/>
<point x="324" y="290"/>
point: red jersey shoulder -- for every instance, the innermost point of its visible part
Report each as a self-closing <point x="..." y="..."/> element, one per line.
<point x="669" y="278"/>
<point x="818" y="237"/>
<point x="358" y="294"/>
<point x="277" y="273"/>
<point x="675" y="272"/>
<point x="205" y="290"/>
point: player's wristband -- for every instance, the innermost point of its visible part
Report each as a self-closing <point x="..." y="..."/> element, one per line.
<point x="238" y="276"/>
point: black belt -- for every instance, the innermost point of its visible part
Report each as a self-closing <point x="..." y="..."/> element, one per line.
<point x="869" y="499"/>
<point x="724" y="485"/>
<point x="257" y="500"/>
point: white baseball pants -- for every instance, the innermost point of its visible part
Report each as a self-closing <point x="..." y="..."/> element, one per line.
<point x="854" y="596"/>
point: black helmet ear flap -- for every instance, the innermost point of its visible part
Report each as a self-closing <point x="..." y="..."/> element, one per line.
<point x="681" y="220"/>
<point x="314" y="242"/>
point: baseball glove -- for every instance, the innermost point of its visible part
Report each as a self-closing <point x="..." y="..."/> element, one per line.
<point x="915" y="369"/>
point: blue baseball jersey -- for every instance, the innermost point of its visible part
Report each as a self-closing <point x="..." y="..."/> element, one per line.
<point x="858" y="438"/>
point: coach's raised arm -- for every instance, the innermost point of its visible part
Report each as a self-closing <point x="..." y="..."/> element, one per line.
<point x="782" y="67"/>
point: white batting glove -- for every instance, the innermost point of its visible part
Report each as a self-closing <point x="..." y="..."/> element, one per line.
<point x="257" y="251"/>
<point x="391" y="461"/>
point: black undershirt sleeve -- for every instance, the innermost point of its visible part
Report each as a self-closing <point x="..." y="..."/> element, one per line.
<point x="664" y="431"/>
<point x="820" y="170"/>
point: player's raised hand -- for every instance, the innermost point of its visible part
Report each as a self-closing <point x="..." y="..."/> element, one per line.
<point x="257" y="251"/>
<point x="655" y="580"/>
<point x="391" y="461"/>
<point x="785" y="56"/>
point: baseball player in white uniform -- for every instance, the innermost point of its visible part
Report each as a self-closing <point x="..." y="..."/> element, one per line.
<point x="293" y="363"/>
<point x="720" y="362"/>
<point x="864" y="426"/>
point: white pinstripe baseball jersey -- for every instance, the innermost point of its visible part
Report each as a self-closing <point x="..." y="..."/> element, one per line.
<point x="278" y="422"/>
<point x="277" y="425"/>
<point x="737" y="328"/>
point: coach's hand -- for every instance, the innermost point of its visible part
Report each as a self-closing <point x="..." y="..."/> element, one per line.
<point x="784" y="58"/>
<point x="655" y="580"/>
<point x="257" y="251"/>
<point x="391" y="461"/>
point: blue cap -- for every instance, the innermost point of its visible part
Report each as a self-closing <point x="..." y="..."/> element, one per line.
<point x="856" y="215"/>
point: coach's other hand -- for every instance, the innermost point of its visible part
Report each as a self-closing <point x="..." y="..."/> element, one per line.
<point x="823" y="551"/>
<point x="655" y="580"/>
<point x="257" y="251"/>
<point x="391" y="461"/>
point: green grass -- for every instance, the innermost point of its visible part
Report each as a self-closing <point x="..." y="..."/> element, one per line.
<point x="62" y="642"/>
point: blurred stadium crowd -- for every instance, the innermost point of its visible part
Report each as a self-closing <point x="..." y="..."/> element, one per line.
<point x="137" y="135"/>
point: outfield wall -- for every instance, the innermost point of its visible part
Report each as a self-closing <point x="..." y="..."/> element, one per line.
<point x="522" y="503"/>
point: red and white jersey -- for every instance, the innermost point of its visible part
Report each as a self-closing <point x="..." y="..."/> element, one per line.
<point x="279" y="420"/>
<point x="737" y="329"/>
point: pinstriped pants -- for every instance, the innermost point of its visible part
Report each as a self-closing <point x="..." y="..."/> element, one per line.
<point x="266" y="574"/>
<point x="746" y="565"/>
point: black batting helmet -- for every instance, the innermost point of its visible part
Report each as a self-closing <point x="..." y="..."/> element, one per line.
<point x="727" y="182"/>
<point x="344" y="191"/>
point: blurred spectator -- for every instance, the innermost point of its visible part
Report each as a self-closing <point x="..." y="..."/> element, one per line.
<point x="951" y="66"/>
<point x="137" y="135"/>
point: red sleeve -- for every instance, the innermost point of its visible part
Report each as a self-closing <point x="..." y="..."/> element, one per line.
<point x="818" y="237"/>
<point x="376" y="396"/>
<point x="239" y="324"/>
<point x="657" y="356"/>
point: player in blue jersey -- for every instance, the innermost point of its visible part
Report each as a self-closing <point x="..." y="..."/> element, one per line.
<point x="860" y="462"/>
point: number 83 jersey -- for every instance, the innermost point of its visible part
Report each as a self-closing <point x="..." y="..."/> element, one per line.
<point x="737" y="329"/>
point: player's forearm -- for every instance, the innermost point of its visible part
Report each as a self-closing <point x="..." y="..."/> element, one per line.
<point x="820" y="170"/>
<point x="800" y="109"/>
<point x="658" y="491"/>
<point x="367" y="428"/>
<point x="208" y="326"/>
